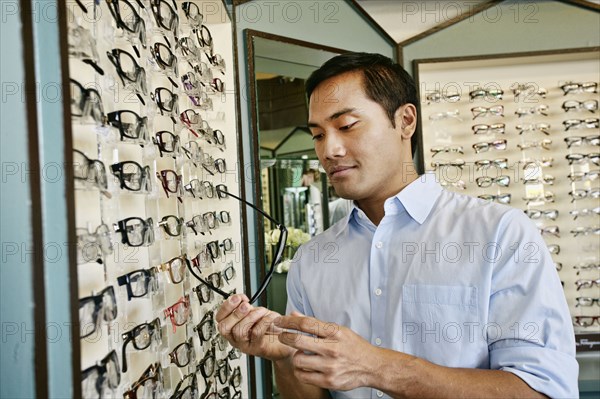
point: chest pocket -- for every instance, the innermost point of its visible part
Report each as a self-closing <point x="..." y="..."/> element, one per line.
<point x="440" y="323"/>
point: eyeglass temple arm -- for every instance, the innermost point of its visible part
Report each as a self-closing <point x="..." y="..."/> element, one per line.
<point x="209" y="285"/>
<point x="253" y="207"/>
<point x="280" y="247"/>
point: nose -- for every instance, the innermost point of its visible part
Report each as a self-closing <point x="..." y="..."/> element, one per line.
<point x="333" y="146"/>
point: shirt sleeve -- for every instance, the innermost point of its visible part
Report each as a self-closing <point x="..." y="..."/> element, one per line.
<point x="530" y="333"/>
<point x="295" y="291"/>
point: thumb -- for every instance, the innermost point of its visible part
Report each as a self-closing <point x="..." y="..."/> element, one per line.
<point x="296" y="313"/>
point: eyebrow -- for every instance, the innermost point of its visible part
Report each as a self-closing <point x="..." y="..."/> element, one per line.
<point x="333" y="116"/>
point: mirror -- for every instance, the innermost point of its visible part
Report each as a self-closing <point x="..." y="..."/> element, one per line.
<point x="291" y="188"/>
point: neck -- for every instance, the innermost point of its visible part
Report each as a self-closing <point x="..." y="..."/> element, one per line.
<point x="374" y="208"/>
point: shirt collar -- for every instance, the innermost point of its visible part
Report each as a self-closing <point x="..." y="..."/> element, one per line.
<point x="418" y="199"/>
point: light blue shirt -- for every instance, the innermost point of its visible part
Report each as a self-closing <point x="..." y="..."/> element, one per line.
<point x="446" y="277"/>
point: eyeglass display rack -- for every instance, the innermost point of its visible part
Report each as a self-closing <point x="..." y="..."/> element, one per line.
<point x="524" y="128"/>
<point x="122" y="253"/>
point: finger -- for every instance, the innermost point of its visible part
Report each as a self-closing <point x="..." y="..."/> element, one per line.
<point x="311" y="362"/>
<point x="303" y="342"/>
<point x="226" y="325"/>
<point x="265" y="326"/>
<point x="308" y="325"/>
<point x="229" y="306"/>
<point x="242" y="330"/>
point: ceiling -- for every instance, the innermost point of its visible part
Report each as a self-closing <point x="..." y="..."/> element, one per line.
<point x="405" y="19"/>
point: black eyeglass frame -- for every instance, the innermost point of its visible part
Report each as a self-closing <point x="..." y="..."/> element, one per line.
<point x="276" y="259"/>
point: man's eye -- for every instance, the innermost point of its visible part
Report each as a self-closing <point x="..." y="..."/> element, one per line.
<point x="348" y="127"/>
<point x="317" y="136"/>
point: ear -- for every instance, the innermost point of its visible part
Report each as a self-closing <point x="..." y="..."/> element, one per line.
<point x="406" y="120"/>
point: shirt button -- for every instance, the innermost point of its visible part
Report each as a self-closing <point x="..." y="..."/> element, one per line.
<point x="379" y="394"/>
<point x="377" y="341"/>
<point x="378" y="291"/>
<point x="379" y="244"/>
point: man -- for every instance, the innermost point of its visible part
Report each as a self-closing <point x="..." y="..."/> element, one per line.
<point x="419" y="292"/>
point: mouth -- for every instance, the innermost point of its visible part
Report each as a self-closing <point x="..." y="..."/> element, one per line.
<point x="340" y="171"/>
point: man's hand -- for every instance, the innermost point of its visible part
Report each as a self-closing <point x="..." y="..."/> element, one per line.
<point x="331" y="356"/>
<point x="250" y="329"/>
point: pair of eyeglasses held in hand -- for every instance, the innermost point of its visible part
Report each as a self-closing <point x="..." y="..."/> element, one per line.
<point x="278" y="253"/>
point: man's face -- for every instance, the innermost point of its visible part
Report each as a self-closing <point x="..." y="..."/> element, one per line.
<point x="362" y="153"/>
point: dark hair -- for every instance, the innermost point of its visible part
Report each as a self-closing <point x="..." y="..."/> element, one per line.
<point x="384" y="81"/>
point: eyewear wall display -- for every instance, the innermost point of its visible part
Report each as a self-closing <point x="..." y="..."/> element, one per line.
<point x="186" y="388"/>
<point x="581" y="158"/>
<point x="586" y="321"/>
<point x="82" y="44"/>
<point x="93" y="246"/>
<point x="166" y="60"/>
<point x="438" y="150"/>
<point x="587" y="283"/>
<point x="192" y="13"/>
<point x="171" y="182"/>
<point x="541" y="109"/>
<point x="584" y="212"/>
<point x="132" y="176"/>
<point x="486" y="146"/>
<point x="175" y="267"/>
<point x="183" y="354"/>
<point x="121" y="34"/>
<point x="582" y="140"/>
<point x="498" y="128"/>
<point x="588" y="123"/>
<point x="165" y="16"/>
<point x="528" y="125"/>
<point x="574" y="105"/>
<point x="445" y="115"/>
<point x="135" y="231"/>
<point x="206" y="366"/>
<point x="132" y="75"/>
<point x="166" y="102"/>
<point x="99" y="378"/>
<point x="574" y="88"/>
<point x="489" y="94"/>
<point x="133" y="25"/>
<point x="533" y="127"/>
<point x="587" y="301"/>
<point x="172" y="225"/>
<point x="551" y="214"/>
<point x="496" y="110"/>
<point x="179" y="312"/>
<point x="132" y="127"/>
<point x="586" y="267"/>
<point x="139" y="283"/>
<point x="149" y="385"/>
<point x="94" y="308"/>
<point x="438" y="96"/>
<point x="89" y="172"/>
<point x="141" y="337"/>
<point x="86" y="103"/>
<point x="167" y="143"/>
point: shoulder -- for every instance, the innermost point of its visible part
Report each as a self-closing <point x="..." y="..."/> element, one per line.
<point x="471" y="209"/>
